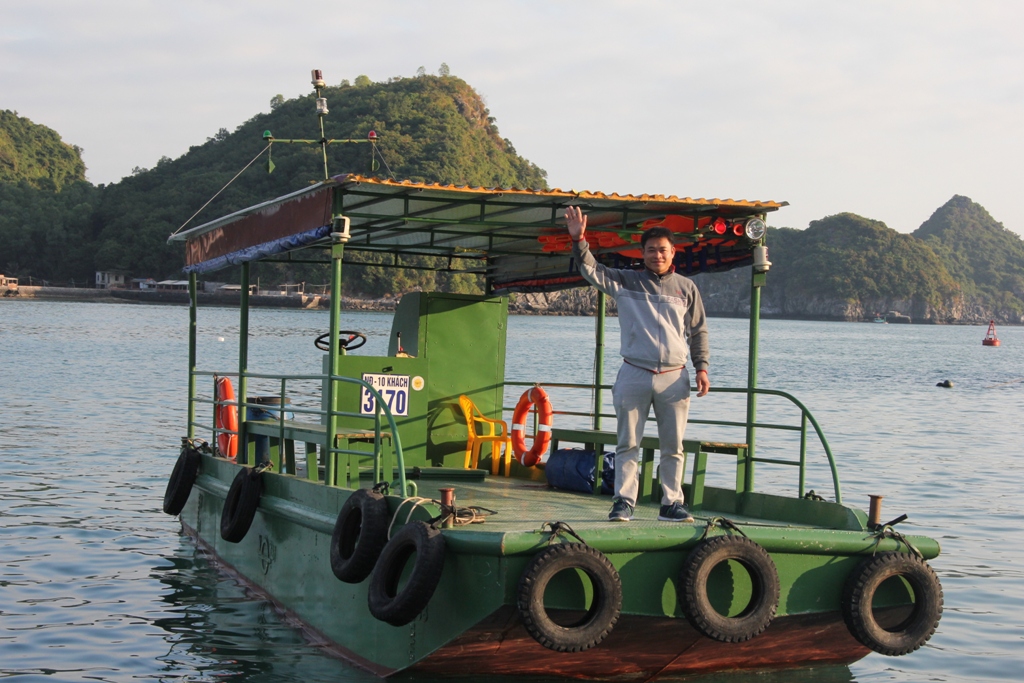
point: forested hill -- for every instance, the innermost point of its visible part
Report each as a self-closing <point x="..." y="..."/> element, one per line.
<point x="430" y="128"/>
<point x="35" y="155"/>
<point x="983" y="256"/>
<point x="960" y="265"/>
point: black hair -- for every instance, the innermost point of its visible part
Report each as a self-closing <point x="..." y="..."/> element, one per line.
<point x="655" y="233"/>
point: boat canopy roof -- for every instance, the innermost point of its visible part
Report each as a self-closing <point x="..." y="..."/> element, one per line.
<point x="515" y="237"/>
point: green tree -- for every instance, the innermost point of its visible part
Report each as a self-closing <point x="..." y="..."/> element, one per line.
<point x="36" y="154"/>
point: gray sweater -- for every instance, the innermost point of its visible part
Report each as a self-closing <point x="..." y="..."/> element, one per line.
<point x="660" y="317"/>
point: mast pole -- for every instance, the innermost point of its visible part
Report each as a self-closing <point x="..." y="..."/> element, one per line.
<point x="243" y="366"/>
<point x="599" y="359"/>
<point x="192" y="301"/>
<point x="758" y="278"/>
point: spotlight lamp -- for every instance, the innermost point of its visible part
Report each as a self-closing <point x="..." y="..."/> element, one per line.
<point x="755" y="229"/>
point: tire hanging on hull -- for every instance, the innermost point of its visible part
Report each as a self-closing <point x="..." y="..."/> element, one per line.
<point x="400" y="606"/>
<point x="696" y="603"/>
<point x="604" y="610"/>
<point x="360" y="535"/>
<point x="859" y="593"/>
<point x="182" y="478"/>
<point x="240" y="504"/>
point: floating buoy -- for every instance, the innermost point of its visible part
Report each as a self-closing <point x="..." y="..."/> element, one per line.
<point x="990" y="338"/>
<point x="946" y="384"/>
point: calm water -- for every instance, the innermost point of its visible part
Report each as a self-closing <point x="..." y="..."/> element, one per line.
<point x="96" y="583"/>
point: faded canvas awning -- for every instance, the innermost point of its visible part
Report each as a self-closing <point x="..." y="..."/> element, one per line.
<point x="517" y="238"/>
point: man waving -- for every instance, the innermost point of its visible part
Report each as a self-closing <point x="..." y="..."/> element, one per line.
<point x="662" y="325"/>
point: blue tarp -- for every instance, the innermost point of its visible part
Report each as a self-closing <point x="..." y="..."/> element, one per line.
<point x="260" y="251"/>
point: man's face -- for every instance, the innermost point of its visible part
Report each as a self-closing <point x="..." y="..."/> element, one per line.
<point x="658" y="254"/>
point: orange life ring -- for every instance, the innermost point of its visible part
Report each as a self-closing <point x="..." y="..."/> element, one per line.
<point x="226" y="417"/>
<point x="542" y="439"/>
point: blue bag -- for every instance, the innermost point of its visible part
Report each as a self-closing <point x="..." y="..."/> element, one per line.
<point x="572" y="469"/>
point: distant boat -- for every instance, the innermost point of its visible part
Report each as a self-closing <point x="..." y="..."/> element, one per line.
<point x="990" y="338"/>
<point x="880" y="319"/>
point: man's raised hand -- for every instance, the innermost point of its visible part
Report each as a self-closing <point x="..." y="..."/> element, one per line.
<point x="576" y="222"/>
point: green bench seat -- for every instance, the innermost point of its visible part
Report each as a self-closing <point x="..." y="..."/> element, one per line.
<point x="340" y="469"/>
<point x="649" y="483"/>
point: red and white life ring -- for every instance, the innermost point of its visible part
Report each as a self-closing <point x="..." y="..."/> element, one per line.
<point x="542" y="439"/>
<point x="226" y="417"/>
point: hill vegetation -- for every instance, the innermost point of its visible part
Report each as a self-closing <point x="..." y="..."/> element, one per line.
<point x="849" y="257"/>
<point x="959" y="265"/>
<point x="431" y="128"/>
<point x="986" y="259"/>
<point x="35" y="155"/>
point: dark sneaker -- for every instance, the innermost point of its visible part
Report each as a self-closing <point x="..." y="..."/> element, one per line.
<point x="621" y="511"/>
<point x="676" y="512"/>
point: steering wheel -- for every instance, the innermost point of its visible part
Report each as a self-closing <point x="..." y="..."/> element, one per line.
<point x="347" y="339"/>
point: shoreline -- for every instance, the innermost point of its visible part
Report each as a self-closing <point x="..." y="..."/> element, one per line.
<point x="526" y="304"/>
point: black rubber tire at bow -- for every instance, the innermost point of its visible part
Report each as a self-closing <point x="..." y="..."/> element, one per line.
<point x="183" y="476"/>
<point x="859" y="593"/>
<point x="360" y="535"/>
<point x="386" y="601"/>
<point x="604" y="610"/>
<point x="240" y="504"/>
<point x="693" y="593"/>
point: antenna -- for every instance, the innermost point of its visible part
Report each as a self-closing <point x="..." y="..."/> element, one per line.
<point x="321" y="111"/>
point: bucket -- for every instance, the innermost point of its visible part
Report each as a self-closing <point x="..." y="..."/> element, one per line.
<point x="268" y="409"/>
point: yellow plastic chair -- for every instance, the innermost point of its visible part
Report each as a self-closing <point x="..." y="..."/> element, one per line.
<point x="496" y="434"/>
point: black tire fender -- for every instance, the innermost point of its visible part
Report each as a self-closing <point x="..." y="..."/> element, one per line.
<point x="859" y="593"/>
<point x="693" y="593"/>
<point x="400" y="606"/>
<point x="182" y="478"/>
<point x="604" y="610"/>
<point x="240" y="504"/>
<point x="360" y="535"/>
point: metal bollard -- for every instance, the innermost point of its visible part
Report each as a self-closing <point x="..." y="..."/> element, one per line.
<point x="448" y="501"/>
<point x="875" y="511"/>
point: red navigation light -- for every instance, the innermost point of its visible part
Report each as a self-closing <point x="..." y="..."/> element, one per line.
<point x="737" y="229"/>
<point x="372" y="135"/>
<point x="719" y="226"/>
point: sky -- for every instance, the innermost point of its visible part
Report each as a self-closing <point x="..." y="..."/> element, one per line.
<point x="884" y="109"/>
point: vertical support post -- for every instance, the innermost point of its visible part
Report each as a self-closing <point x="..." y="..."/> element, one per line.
<point x="337" y="252"/>
<point x="599" y="359"/>
<point x="323" y="142"/>
<point x="192" y="301"/>
<point x="243" y="367"/>
<point x="757" y="280"/>
<point x="803" y="452"/>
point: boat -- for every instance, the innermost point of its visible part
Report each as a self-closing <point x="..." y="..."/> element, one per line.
<point x="385" y="513"/>
<point x="990" y="337"/>
<point x="880" y="319"/>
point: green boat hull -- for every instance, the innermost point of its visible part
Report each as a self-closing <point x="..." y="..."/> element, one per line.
<point x="471" y="625"/>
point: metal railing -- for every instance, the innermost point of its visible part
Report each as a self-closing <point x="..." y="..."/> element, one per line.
<point x="329" y="444"/>
<point x="805" y="417"/>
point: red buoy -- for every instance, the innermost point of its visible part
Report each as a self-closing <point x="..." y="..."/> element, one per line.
<point x="991" y="339"/>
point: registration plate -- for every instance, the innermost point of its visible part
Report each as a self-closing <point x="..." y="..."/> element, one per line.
<point x="394" y="389"/>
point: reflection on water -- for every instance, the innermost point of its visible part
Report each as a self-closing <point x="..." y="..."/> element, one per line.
<point x="97" y="584"/>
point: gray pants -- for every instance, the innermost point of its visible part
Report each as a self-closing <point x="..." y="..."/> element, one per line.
<point x="634" y="392"/>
